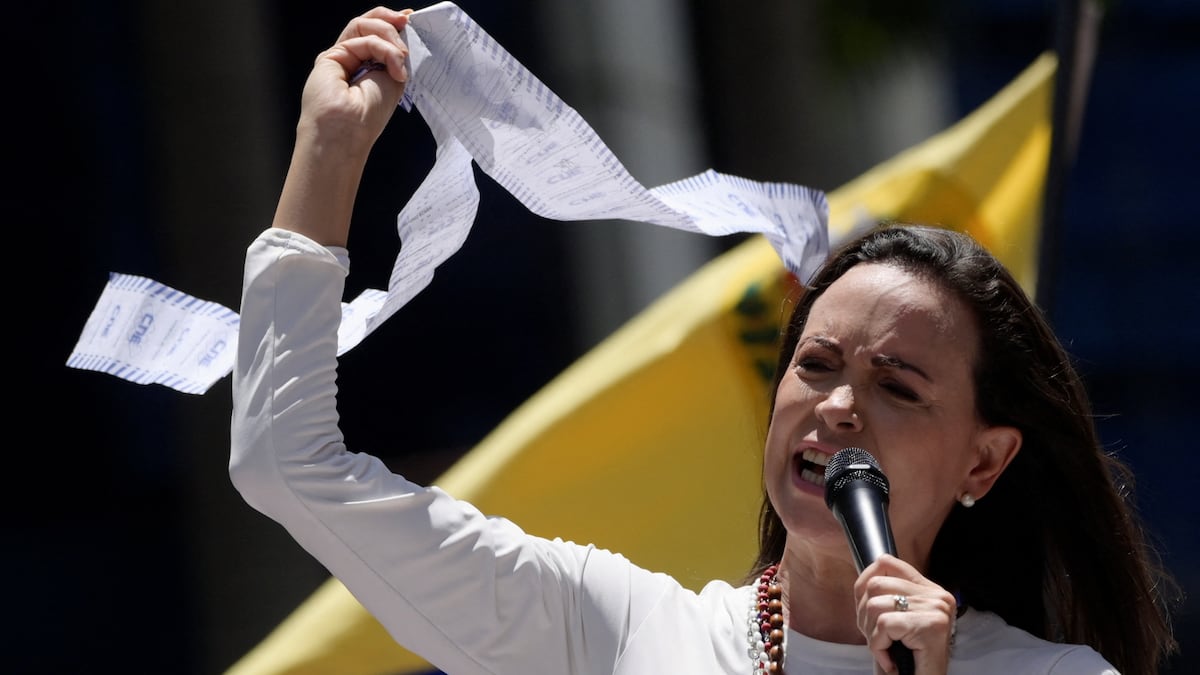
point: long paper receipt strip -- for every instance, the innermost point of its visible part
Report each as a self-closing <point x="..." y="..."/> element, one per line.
<point x="482" y="106"/>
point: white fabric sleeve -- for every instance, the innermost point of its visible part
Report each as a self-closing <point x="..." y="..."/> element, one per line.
<point x="468" y="593"/>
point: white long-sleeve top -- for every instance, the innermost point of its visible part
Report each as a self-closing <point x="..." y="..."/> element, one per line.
<point x="474" y="594"/>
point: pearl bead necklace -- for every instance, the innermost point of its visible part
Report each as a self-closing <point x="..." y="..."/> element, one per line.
<point x="766" y="631"/>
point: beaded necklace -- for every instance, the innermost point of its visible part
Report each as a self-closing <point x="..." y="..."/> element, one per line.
<point x="766" y="631"/>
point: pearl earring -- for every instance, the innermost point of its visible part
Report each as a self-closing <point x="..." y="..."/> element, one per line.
<point x="967" y="500"/>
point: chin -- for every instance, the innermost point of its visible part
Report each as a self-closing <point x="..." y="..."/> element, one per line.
<point x="804" y="513"/>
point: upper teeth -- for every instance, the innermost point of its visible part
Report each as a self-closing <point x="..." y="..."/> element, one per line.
<point x="815" y="457"/>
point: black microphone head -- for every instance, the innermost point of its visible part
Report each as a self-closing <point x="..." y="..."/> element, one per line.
<point x="852" y="464"/>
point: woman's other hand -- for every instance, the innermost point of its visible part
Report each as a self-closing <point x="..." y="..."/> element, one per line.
<point x="350" y="94"/>
<point x="355" y="85"/>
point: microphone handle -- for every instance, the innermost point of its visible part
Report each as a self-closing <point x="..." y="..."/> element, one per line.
<point x="903" y="657"/>
<point x="862" y="511"/>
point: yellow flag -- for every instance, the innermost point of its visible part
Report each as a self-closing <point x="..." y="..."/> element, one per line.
<point x="650" y="444"/>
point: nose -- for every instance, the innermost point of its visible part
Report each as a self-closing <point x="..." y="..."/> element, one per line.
<point x="838" y="409"/>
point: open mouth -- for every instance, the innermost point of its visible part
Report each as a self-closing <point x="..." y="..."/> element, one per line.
<point x="812" y="466"/>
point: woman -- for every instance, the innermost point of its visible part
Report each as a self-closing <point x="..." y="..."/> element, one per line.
<point x="1054" y="549"/>
<point x="893" y="350"/>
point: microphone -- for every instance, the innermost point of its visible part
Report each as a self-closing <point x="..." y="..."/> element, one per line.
<point x="857" y="492"/>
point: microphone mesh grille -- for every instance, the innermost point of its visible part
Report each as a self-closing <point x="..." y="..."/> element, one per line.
<point x="843" y="458"/>
<point x="852" y="464"/>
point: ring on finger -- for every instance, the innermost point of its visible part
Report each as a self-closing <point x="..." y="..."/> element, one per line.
<point x="900" y="602"/>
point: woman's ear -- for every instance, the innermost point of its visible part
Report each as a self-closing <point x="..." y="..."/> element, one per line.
<point x="995" y="448"/>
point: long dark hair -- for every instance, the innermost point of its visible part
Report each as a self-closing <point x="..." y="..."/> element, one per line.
<point x="1056" y="548"/>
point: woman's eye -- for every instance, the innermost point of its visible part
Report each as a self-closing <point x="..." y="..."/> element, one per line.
<point x="900" y="391"/>
<point x="812" y="366"/>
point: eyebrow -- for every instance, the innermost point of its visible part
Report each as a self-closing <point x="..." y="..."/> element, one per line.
<point x="885" y="361"/>
<point x="879" y="361"/>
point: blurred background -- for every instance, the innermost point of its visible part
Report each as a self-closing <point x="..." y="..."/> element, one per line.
<point x="151" y="138"/>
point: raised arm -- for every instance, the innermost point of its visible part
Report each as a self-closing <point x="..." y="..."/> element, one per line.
<point x="473" y="595"/>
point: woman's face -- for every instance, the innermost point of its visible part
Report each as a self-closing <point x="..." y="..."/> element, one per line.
<point x="885" y="364"/>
